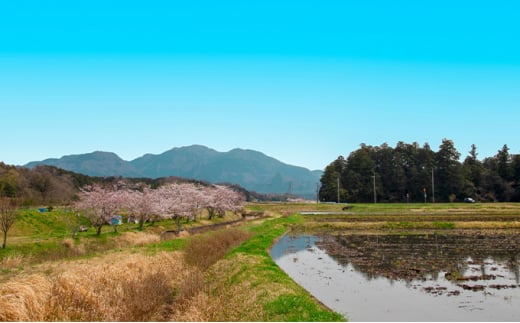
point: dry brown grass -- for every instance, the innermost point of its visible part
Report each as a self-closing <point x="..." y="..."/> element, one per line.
<point x="123" y="287"/>
<point x="25" y="299"/>
<point x="132" y="289"/>
<point x="12" y="261"/>
<point x="187" y="305"/>
<point x="72" y="248"/>
<point x="205" y="250"/>
<point x="192" y="282"/>
<point x="193" y="311"/>
<point x="136" y="239"/>
<point x="193" y="302"/>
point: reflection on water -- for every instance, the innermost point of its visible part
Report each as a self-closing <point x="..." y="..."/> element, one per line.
<point x="408" y="278"/>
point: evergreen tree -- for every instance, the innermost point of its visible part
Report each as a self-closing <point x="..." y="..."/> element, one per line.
<point x="472" y="171"/>
<point x="385" y="173"/>
<point x="494" y="187"/>
<point x="329" y="180"/>
<point x="515" y="166"/>
<point x="448" y="173"/>
<point x="504" y="163"/>
<point x="357" y="179"/>
<point x="426" y="163"/>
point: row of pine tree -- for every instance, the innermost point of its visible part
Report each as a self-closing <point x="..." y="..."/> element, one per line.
<point x="411" y="173"/>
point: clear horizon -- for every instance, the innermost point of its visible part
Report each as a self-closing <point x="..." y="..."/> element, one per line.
<point x="300" y="81"/>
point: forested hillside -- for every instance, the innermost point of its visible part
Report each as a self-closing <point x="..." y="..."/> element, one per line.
<point x="41" y="185"/>
<point x="409" y="172"/>
<point x="50" y="185"/>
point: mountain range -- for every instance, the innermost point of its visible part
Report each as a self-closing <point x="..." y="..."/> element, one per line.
<point x="251" y="169"/>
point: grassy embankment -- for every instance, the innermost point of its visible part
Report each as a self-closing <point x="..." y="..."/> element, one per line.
<point x="132" y="275"/>
<point x="39" y="237"/>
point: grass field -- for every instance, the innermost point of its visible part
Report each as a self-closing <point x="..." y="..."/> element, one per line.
<point x="224" y="275"/>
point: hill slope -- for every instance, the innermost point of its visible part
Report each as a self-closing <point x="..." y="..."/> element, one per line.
<point x="251" y="169"/>
<point x="98" y="163"/>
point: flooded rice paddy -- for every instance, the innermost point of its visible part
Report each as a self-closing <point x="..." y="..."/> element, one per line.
<point x="460" y="276"/>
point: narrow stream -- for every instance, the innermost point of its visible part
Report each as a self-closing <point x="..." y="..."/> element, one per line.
<point x="389" y="278"/>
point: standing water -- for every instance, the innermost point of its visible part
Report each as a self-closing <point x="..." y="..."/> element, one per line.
<point x="407" y="278"/>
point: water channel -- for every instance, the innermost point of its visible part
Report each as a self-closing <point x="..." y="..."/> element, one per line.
<point x="425" y="277"/>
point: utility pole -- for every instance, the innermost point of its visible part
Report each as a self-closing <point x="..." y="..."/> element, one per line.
<point x="289" y="189"/>
<point x="433" y="188"/>
<point x="338" y="190"/>
<point x="375" y="194"/>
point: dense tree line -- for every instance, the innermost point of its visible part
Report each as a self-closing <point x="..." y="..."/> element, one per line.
<point x="413" y="173"/>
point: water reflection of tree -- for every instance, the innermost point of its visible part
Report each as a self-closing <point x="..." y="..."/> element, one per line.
<point x="420" y="256"/>
<point x="514" y="264"/>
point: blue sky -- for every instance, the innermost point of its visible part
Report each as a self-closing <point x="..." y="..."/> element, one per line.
<point x="302" y="81"/>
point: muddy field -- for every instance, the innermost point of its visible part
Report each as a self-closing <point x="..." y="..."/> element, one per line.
<point x="467" y="258"/>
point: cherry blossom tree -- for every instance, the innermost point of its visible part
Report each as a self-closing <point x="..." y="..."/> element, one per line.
<point x="144" y="204"/>
<point x="98" y="204"/>
<point x="178" y="201"/>
<point x="220" y="199"/>
<point x="191" y="199"/>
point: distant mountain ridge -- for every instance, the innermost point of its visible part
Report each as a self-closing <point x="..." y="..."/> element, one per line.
<point x="251" y="169"/>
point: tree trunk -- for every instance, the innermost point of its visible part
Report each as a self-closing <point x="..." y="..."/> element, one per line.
<point x="5" y="240"/>
<point x="179" y="224"/>
<point x="98" y="230"/>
